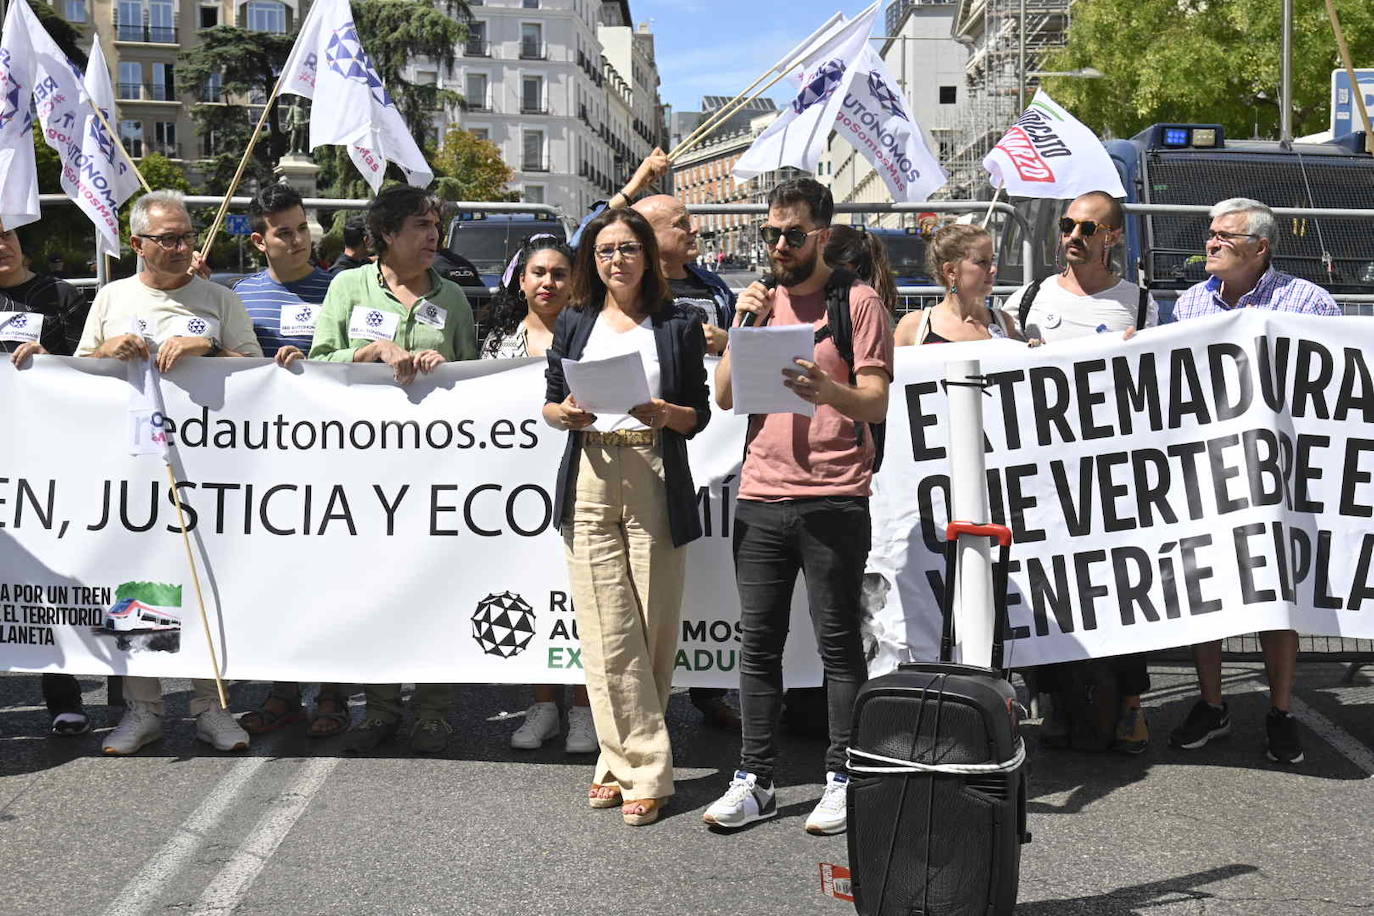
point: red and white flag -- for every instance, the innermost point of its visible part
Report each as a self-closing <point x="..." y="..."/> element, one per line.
<point x="1050" y="153"/>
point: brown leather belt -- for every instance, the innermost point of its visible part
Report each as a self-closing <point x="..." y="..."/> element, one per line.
<point x="621" y="437"/>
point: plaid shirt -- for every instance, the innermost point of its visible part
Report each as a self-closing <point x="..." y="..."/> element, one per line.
<point x="1277" y="291"/>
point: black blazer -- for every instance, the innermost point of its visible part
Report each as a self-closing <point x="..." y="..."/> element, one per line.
<point x="682" y="368"/>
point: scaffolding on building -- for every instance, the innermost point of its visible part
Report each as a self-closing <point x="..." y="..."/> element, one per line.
<point x="1007" y="40"/>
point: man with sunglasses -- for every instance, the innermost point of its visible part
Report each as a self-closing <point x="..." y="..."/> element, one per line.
<point x="1089" y="297"/>
<point x="186" y="315"/>
<point x="1240" y="253"/>
<point x="803" y="503"/>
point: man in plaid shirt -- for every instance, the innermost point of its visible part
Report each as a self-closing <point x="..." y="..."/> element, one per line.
<point x="1240" y="247"/>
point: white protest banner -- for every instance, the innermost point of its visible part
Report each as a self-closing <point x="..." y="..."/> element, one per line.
<point x="797" y="137"/>
<point x="876" y="121"/>
<point x="1202" y="480"/>
<point x="350" y="105"/>
<point x="1050" y="153"/>
<point x="348" y="529"/>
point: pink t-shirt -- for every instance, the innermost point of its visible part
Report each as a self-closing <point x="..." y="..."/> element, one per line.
<point x="792" y="456"/>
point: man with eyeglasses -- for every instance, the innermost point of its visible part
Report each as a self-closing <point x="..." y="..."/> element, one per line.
<point x="1089" y="297"/>
<point x="803" y="502"/>
<point x="1240" y="253"/>
<point x="185" y="315"/>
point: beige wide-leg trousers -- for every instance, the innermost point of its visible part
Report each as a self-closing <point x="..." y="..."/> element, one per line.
<point x="627" y="592"/>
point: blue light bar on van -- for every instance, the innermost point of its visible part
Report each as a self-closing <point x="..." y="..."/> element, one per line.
<point x="1188" y="136"/>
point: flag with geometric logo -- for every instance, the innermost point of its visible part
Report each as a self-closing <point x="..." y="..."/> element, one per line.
<point x="350" y="105"/>
<point x="797" y="137"/>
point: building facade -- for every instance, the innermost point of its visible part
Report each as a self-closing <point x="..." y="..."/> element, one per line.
<point x="566" y="89"/>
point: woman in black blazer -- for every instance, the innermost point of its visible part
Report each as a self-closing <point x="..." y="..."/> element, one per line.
<point x="626" y="502"/>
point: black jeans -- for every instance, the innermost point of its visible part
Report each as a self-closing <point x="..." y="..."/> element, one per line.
<point x="827" y="540"/>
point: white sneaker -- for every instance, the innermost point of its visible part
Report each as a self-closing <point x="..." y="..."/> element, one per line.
<point x="743" y="803"/>
<point x="829" y="814"/>
<point x="139" y="727"/>
<point x="217" y="727"/>
<point x="541" y="724"/>
<point x="581" y="731"/>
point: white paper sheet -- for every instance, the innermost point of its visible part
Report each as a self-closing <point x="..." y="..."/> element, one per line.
<point x="757" y="358"/>
<point x="608" y="385"/>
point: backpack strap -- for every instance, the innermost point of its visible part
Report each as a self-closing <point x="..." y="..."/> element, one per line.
<point x="1027" y="300"/>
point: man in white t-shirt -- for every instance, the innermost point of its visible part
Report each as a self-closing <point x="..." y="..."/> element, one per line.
<point x="1088" y="297"/>
<point x="185" y="315"/>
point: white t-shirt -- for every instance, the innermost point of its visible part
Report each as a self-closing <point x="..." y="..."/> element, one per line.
<point x="170" y="313"/>
<point x="1057" y="314"/>
<point x="604" y="343"/>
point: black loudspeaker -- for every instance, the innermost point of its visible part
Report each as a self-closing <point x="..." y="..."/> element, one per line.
<point x="937" y="790"/>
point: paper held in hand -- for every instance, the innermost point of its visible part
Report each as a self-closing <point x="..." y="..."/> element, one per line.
<point x="757" y="358"/>
<point x="608" y="385"/>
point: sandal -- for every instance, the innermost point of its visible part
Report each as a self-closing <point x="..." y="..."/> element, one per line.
<point x="328" y="723"/>
<point x="266" y="718"/>
<point x="596" y="800"/>
<point x="651" y="809"/>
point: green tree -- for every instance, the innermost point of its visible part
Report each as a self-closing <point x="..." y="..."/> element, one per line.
<point x="63" y="33"/>
<point x="470" y="168"/>
<point x="248" y="63"/>
<point x="1201" y="61"/>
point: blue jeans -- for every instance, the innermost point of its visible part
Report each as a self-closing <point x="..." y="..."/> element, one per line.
<point x="826" y="539"/>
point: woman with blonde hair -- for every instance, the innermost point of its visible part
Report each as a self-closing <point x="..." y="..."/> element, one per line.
<point x="960" y="256"/>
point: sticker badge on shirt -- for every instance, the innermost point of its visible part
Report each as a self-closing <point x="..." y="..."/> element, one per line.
<point x="1051" y="320"/>
<point x="298" y="320"/>
<point x="193" y="326"/>
<point x="427" y="312"/>
<point x="372" y="324"/>
<point x="20" y="327"/>
<point x="142" y="327"/>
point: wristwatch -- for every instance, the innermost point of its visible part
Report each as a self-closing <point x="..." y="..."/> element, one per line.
<point x="214" y="346"/>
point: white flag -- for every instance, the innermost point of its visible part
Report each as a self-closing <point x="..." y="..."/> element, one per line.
<point x="350" y="106"/>
<point x="100" y="176"/>
<point x="876" y="121"/>
<point x="18" y="171"/>
<point x="797" y="137"/>
<point x="1050" y="153"/>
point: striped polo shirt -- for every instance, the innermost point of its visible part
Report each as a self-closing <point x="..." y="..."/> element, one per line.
<point x="265" y="298"/>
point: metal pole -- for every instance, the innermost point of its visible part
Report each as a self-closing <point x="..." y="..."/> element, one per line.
<point x="1286" y="77"/>
<point x="1021" y="61"/>
<point x="973" y="613"/>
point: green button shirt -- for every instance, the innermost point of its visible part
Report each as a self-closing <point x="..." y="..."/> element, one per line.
<point x="364" y="286"/>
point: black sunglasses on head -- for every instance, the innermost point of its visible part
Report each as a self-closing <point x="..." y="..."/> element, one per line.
<point x="795" y="237"/>
<point x="1089" y="226"/>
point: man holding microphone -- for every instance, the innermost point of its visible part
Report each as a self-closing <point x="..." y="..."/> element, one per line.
<point x="803" y="503"/>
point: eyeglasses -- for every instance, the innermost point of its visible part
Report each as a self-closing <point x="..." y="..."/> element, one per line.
<point x="1088" y="227"/>
<point x="172" y="240"/>
<point x="1228" y="238"/>
<point x="628" y="250"/>
<point x="795" y="237"/>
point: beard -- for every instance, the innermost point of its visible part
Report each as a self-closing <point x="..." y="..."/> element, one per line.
<point x="800" y="271"/>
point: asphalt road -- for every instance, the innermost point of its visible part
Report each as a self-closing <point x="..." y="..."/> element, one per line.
<point x="293" y="828"/>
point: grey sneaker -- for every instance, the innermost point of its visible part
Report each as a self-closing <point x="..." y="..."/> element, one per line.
<point x="217" y="728"/>
<point x="541" y="724"/>
<point x="581" y="731"/>
<point x="429" y="736"/>
<point x="370" y="734"/>
<point x="139" y="727"/>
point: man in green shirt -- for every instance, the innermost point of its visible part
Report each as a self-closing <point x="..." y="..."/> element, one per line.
<point x="398" y="311"/>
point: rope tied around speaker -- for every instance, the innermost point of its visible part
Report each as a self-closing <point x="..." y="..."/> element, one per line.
<point x="894" y="765"/>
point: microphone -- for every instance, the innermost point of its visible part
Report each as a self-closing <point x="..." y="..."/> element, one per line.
<point x="770" y="282"/>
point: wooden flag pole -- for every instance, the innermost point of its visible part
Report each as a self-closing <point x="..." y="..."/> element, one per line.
<point x="992" y="205"/>
<point x="200" y="596"/>
<point x="698" y="137"/>
<point x="238" y="174"/>
<point x="1350" y="72"/>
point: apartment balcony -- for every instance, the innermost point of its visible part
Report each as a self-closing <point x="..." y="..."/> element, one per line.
<point x="129" y="91"/>
<point x="152" y="34"/>
<point x="534" y="164"/>
<point x="533" y="50"/>
<point x="528" y="107"/>
<point x="481" y="105"/>
<point x="477" y="48"/>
